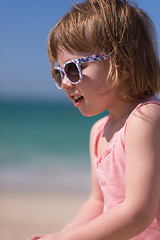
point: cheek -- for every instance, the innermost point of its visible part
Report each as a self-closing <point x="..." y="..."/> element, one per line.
<point x="96" y="84"/>
<point x="95" y="79"/>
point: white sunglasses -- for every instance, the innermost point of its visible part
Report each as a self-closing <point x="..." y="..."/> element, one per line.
<point x="72" y="69"/>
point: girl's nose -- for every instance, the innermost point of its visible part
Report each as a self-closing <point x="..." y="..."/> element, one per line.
<point x="66" y="83"/>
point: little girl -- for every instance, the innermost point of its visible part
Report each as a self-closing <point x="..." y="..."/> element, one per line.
<point x="107" y="59"/>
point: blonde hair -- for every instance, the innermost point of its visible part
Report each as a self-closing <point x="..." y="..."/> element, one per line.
<point x="112" y="26"/>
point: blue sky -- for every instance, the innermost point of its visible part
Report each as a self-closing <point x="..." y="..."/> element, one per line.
<point x="24" y="26"/>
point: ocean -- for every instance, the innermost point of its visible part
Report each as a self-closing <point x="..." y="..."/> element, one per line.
<point x="44" y="146"/>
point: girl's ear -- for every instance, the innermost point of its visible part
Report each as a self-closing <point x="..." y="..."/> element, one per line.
<point x="125" y="75"/>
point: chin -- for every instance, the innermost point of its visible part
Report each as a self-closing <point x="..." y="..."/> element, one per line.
<point x="89" y="113"/>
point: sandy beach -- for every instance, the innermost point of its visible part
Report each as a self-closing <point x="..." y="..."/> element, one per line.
<point x="23" y="214"/>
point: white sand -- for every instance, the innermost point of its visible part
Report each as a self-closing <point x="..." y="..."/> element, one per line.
<point x="25" y="214"/>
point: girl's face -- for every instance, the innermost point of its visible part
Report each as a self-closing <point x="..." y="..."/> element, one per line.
<point x="92" y="95"/>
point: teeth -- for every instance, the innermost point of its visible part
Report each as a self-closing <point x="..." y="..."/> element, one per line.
<point x="76" y="98"/>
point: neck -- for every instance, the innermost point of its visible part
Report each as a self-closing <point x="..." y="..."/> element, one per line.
<point x="122" y="110"/>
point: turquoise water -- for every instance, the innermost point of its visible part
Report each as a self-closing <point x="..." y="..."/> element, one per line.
<point x="43" y="136"/>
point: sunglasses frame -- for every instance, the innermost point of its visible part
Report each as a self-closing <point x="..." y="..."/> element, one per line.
<point x="78" y="62"/>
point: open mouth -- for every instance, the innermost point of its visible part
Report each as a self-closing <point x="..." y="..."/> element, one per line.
<point x="78" y="99"/>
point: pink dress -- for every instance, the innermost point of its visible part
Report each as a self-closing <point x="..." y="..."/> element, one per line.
<point x="110" y="170"/>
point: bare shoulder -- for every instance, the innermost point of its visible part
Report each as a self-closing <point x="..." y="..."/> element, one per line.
<point x="143" y="134"/>
<point x="147" y="117"/>
<point x="93" y="133"/>
<point x="96" y="126"/>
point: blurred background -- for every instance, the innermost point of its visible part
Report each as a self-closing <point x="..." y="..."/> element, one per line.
<point x="41" y="133"/>
<point x="44" y="140"/>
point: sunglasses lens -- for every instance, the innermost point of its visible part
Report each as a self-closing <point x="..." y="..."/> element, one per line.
<point x="72" y="72"/>
<point x="57" y="77"/>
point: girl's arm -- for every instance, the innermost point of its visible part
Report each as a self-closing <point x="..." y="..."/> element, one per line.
<point x="139" y="209"/>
